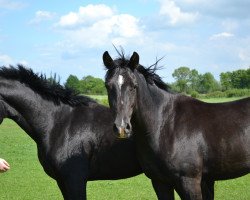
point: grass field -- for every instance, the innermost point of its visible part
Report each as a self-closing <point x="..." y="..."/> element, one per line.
<point x="27" y="181"/>
<point x="220" y="100"/>
<point x="101" y="98"/>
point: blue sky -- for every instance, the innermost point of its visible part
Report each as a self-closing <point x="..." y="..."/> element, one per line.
<point x="70" y="36"/>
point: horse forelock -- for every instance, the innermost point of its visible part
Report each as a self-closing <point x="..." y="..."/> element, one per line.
<point x="50" y="90"/>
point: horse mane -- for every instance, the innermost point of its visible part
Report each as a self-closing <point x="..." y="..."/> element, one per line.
<point x="149" y="73"/>
<point x="48" y="89"/>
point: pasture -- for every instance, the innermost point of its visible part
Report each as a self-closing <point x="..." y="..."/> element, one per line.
<point x="26" y="179"/>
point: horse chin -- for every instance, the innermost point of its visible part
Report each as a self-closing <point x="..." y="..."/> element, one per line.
<point x="122" y="137"/>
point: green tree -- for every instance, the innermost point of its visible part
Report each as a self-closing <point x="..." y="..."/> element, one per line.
<point x="240" y="79"/>
<point x="92" y="85"/>
<point x="194" y="80"/>
<point x="73" y="82"/>
<point x="182" y="77"/>
<point x="208" y="83"/>
<point x="247" y="77"/>
<point x="225" y="80"/>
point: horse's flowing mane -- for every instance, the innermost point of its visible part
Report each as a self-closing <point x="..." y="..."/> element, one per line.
<point x="149" y="73"/>
<point x="50" y="90"/>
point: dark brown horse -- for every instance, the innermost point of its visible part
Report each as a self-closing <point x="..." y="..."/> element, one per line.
<point x="182" y="142"/>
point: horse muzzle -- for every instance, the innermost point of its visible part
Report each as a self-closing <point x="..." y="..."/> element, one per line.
<point x="122" y="132"/>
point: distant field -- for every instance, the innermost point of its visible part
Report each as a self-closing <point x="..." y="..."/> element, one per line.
<point x="210" y="100"/>
<point x="220" y="100"/>
<point x="27" y="181"/>
<point x="99" y="97"/>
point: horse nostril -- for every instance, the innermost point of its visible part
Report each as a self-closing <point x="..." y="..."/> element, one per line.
<point x="115" y="129"/>
<point x="128" y="127"/>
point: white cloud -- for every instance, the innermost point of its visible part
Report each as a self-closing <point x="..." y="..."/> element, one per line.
<point x="42" y="16"/>
<point x="176" y="16"/>
<point x="5" y="59"/>
<point x="85" y="15"/>
<point x="98" y="25"/>
<point x="125" y="25"/>
<point x="11" y="5"/>
<point x="68" y="20"/>
<point x="222" y="35"/>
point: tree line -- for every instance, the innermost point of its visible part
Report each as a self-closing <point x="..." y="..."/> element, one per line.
<point x="187" y="80"/>
<point x="190" y="81"/>
<point x="86" y="85"/>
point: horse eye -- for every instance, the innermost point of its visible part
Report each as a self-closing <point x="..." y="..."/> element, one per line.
<point x="109" y="86"/>
<point x="133" y="87"/>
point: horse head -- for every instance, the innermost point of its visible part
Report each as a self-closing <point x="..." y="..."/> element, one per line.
<point x="121" y="85"/>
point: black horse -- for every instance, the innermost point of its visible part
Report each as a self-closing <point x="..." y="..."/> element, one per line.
<point x="73" y="133"/>
<point x="182" y="142"/>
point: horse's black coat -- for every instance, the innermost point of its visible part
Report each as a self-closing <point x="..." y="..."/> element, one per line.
<point x="73" y="133"/>
<point x="182" y="143"/>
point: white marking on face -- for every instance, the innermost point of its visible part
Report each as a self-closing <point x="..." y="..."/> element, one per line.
<point x="123" y="124"/>
<point x="120" y="81"/>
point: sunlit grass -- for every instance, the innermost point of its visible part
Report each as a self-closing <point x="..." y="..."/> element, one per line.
<point x="221" y="100"/>
<point x="210" y="100"/>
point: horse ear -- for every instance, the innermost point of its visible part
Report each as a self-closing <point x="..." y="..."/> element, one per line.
<point x="134" y="61"/>
<point x="107" y="60"/>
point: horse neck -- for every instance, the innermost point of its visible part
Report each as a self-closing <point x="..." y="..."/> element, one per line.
<point x="28" y="109"/>
<point x="151" y="104"/>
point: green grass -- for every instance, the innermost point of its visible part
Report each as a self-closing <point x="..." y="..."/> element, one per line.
<point x="101" y="98"/>
<point x="220" y="100"/>
<point x="26" y="179"/>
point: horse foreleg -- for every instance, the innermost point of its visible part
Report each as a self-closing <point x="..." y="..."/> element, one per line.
<point x="163" y="190"/>
<point x="62" y="189"/>
<point x="73" y="189"/>
<point x="207" y="187"/>
<point x="72" y="178"/>
<point x="189" y="188"/>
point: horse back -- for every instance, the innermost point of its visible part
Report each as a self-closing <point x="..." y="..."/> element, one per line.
<point x="218" y="135"/>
